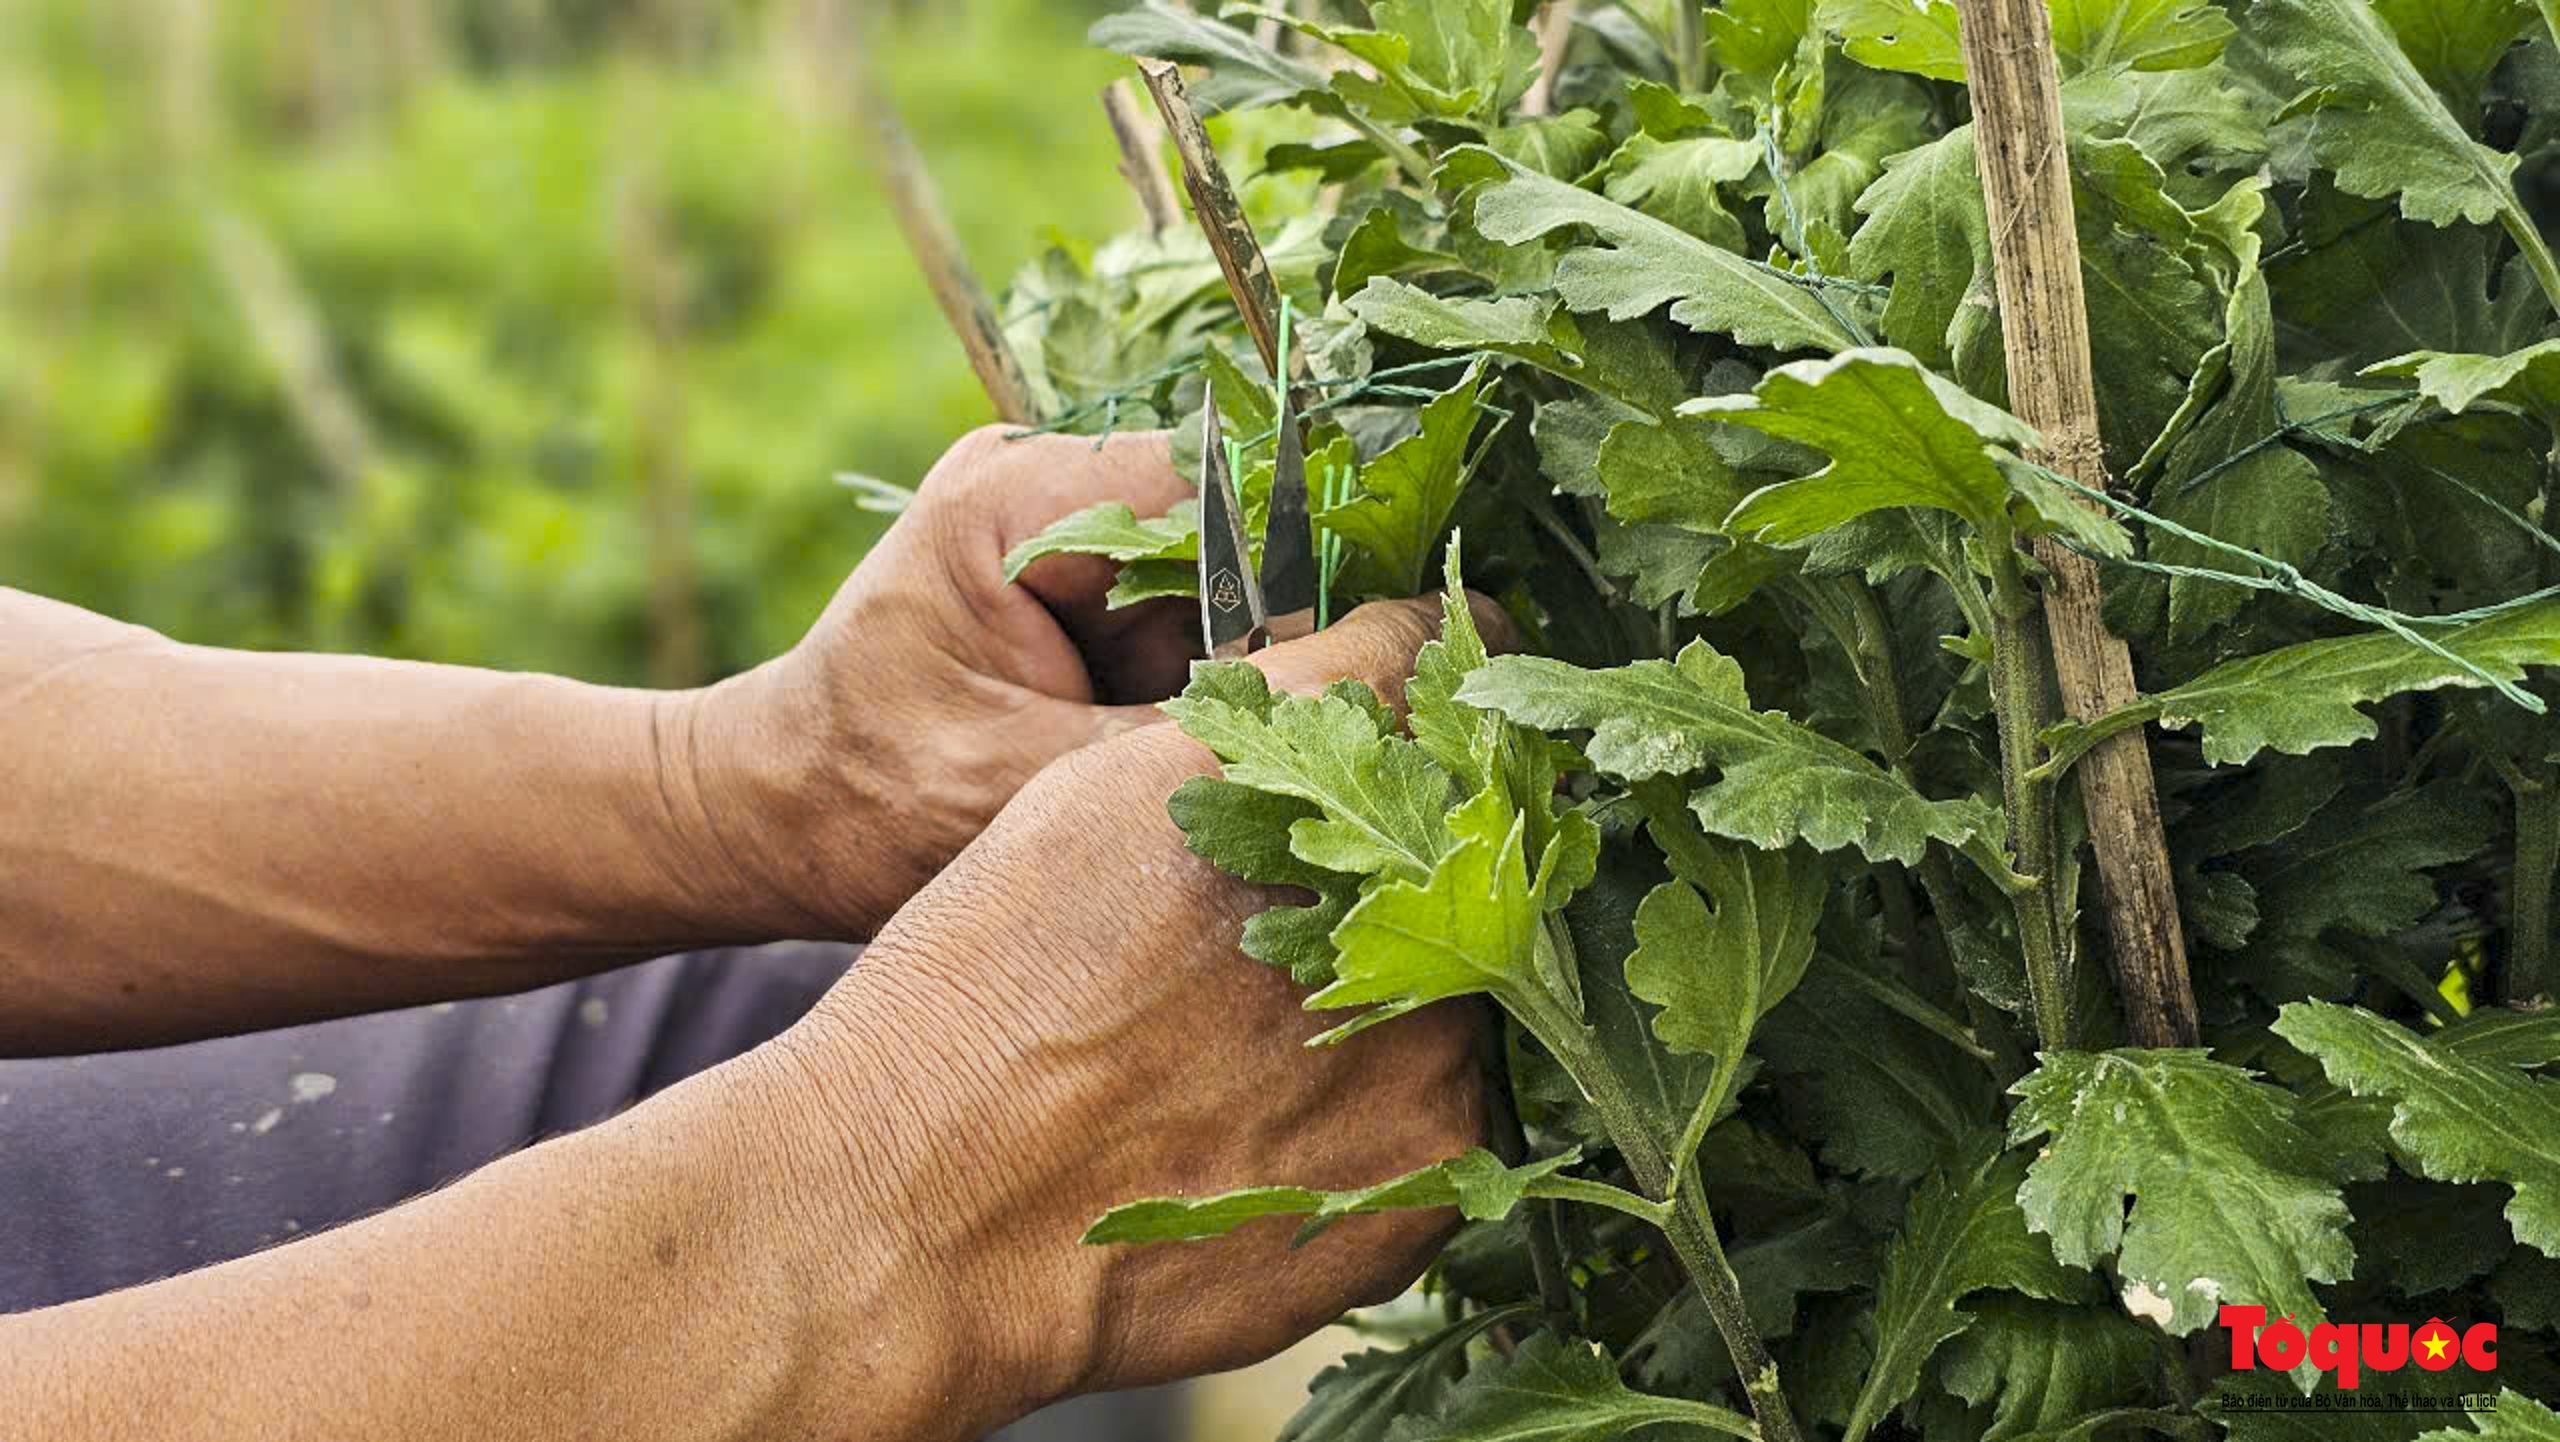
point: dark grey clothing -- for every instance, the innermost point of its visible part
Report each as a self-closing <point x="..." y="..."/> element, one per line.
<point x="127" y="1167"/>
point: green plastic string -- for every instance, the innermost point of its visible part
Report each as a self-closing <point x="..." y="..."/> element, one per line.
<point x="2283" y="577"/>
<point x="1814" y="280"/>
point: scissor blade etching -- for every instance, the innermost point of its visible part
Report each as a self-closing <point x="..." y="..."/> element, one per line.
<point x="1231" y="611"/>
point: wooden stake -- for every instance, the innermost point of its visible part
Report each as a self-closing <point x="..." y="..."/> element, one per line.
<point x="1140" y="164"/>
<point x="2026" y="188"/>
<point x="1555" y="35"/>
<point x="1222" y="219"/>
<point x="918" y="207"/>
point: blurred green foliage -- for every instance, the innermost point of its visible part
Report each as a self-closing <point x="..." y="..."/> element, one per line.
<point x="385" y="326"/>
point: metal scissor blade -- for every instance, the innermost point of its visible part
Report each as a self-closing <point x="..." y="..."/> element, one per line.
<point x="1232" y="619"/>
<point x="1288" y="546"/>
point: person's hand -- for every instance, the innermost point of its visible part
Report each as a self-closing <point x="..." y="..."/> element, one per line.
<point x="843" y="774"/>
<point x="1062" y="1022"/>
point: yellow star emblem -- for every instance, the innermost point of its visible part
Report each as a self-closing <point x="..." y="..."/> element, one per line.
<point x="2435" y="1345"/>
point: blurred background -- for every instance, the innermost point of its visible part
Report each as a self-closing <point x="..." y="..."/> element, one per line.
<point x="526" y="333"/>
<point x="519" y="333"/>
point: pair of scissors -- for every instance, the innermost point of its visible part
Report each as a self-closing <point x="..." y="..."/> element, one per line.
<point x="1236" y="602"/>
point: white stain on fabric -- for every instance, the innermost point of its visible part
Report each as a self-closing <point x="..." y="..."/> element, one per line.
<point x="311" y="1086"/>
<point x="174" y="1173"/>
<point x="267" y="1120"/>
<point x="593" y="1011"/>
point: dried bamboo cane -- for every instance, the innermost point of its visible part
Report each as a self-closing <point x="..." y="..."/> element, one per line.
<point x="917" y="204"/>
<point x="1140" y="165"/>
<point x="1222" y="218"/>
<point x="2026" y="186"/>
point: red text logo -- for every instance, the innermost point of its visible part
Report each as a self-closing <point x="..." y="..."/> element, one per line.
<point x="2350" y="1349"/>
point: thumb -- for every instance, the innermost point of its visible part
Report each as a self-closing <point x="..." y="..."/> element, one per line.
<point x="1375" y="644"/>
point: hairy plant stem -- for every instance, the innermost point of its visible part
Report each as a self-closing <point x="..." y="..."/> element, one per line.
<point x="2017" y="697"/>
<point x="1848" y="610"/>
<point x="1546" y="1256"/>
<point x="1690" y="1226"/>
<point x="2536" y="784"/>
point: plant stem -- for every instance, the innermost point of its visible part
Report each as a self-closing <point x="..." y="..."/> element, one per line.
<point x="916" y="204"/>
<point x="2537" y="793"/>
<point x="1848" y="610"/>
<point x="1140" y="164"/>
<point x="1691" y="1227"/>
<point x="2017" y="696"/>
<point x="1693" y="1235"/>
<point x="1687" y="53"/>
<point x="2016" y="90"/>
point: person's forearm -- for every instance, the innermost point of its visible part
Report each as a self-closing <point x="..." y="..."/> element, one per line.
<point x="196" y="841"/>
<point x="659" y="1276"/>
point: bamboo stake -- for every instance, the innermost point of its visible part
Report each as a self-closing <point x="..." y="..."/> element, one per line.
<point x="927" y="227"/>
<point x="1555" y="35"/>
<point x="1141" y="164"/>
<point x="2026" y="187"/>
<point x="1221" y="215"/>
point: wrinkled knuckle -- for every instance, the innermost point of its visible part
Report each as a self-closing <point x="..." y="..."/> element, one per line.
<point x="971" y="464"/>
<point x="1391" y="633"/>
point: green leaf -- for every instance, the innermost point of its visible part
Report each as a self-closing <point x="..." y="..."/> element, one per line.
<point x="2271" y="501"/>
<point x="1564" y="146"/>
<point x="1358" y="1398"/>
<point x="1463" y="47"/>
<point x="2379" y="125"/>
<point x="2518" y="1419"/>
<point x="1406" y="494"/>
<point x="1916" y="37"/>
<point x="1926" y="229"/>
<point x="2233" y="1200"/>
<point x="1471" y="926"/>
<point x="2299" y="698"/>
<point x="1881" y="1094"/>
<point x="2528" y="379"/>
<point x="1600" y="922"/>
<point x="1517" y="325"/>
<point x="1476" y="1183"/>
<point x="1867" y="117"/>
<point x="1245" y="833"/>
<point x="1677" y="181"/>
<point x="2455" y="1119"/>
<point x="1646" y="263"/>
<point x="2045" y="1368"/>
<point x="1147" y="580"/>
<point x="2368" y="286"/>
<point x="2455" y="44"/>
<point x="1716" y="964"/>
<point x="1898" y="435"/>
<point x="1962" y="1233"/>
<point x="1556" y="1390"/>
<point x="2137" y="34"/>
<point x="1376" y="247"/>
<point x="1667" y="474"/>
<point x="1112" y="530"/>
<point x="1383" y="802"/>
<point x="1779" y="781"/>
<point x="1242" y="71"/>
<point x="2361" y="866"/>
